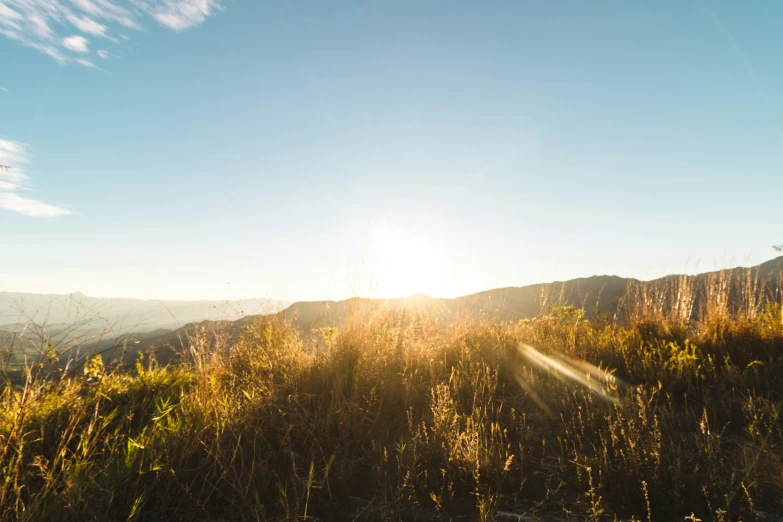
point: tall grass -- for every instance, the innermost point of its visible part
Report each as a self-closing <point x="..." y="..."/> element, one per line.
<point x="395" y="416"/>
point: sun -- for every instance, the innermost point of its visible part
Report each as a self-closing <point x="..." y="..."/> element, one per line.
<point x="406" y="264"/>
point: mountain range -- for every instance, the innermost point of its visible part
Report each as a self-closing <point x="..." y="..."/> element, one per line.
<point x="121" y="315"/>
<point x="611" y="297"/>
<point x="687" y="296"/>
<point x="160" y="323"/>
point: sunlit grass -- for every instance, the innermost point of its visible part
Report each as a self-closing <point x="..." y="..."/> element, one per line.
<point x="399" y="417"/>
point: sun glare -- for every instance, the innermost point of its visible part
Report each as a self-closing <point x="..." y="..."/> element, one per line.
<point x="404" y="264"/>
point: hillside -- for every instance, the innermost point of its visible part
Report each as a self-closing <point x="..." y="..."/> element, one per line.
<point x="680" y="297"/>
<point x="597" y="295"/>
<point x="420" y="409"/>
<point x="397" y="419"/>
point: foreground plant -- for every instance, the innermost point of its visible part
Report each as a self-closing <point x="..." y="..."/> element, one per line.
<point x="398" y="417"/>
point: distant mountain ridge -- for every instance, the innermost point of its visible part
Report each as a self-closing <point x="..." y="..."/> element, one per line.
<point x="123" y="314"/>
<point x="686" y="296"/>
<point x="683" y="296"/>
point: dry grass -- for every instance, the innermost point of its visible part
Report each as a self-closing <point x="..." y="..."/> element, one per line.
<point x="395" y="417"/>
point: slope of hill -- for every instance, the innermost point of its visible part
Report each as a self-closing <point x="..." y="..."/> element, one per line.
<point x="686" y="297"/>
<point x="545" y="420"/>
<point x="681" y="295"/>
<point x="121" y="328"/>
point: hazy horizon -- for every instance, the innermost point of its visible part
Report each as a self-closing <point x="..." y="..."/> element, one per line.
<point x="696" y="268"/>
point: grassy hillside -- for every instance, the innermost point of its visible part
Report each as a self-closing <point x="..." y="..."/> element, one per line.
<point x="732" y="292"/>
<point x="397" y="416"/>
<point x="684" y="296"/>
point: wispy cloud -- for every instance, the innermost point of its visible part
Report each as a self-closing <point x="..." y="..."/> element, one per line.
<point x="183" y="14"/>
<point x="87" y="25"/>
<point x="14" y="156"/>
<point x="47" y="25"/>
<point x="29" y="207"/>
<point x="87" y="63"/>
<point x="76" y="44"/>
<point x="103" y="53"/>
<point x="3" y="89"/>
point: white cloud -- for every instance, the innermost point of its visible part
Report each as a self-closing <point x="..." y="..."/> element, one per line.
<point x="40" y="27"/>
<point x="30" y="207"/>
<point x="103" y="53"/>
<point x="12" y="154"/>
<point x="183" y="14"/>
<point x="110" y="10"/>
<point x="76" y="43"/>
<point x="13" y="158"/>
<point x="40" y="24"/>
<point x="8" y="14"/>
<point x="87" y="25"/>
<point x="3" y="89"/>
<point x="86" y="63"/>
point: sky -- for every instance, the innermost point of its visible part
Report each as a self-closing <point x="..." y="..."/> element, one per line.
<point x="301" y="150"/>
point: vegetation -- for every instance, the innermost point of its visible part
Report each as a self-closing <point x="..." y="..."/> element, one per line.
<point x="395" y="416"/>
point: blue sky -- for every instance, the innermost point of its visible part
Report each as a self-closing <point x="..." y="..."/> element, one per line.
<point x="309" y="150"/>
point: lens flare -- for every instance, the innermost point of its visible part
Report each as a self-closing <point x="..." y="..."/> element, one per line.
<point x="592" y="378"/>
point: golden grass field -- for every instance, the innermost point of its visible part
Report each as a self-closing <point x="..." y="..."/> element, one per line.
<point x="394" y="416"/>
